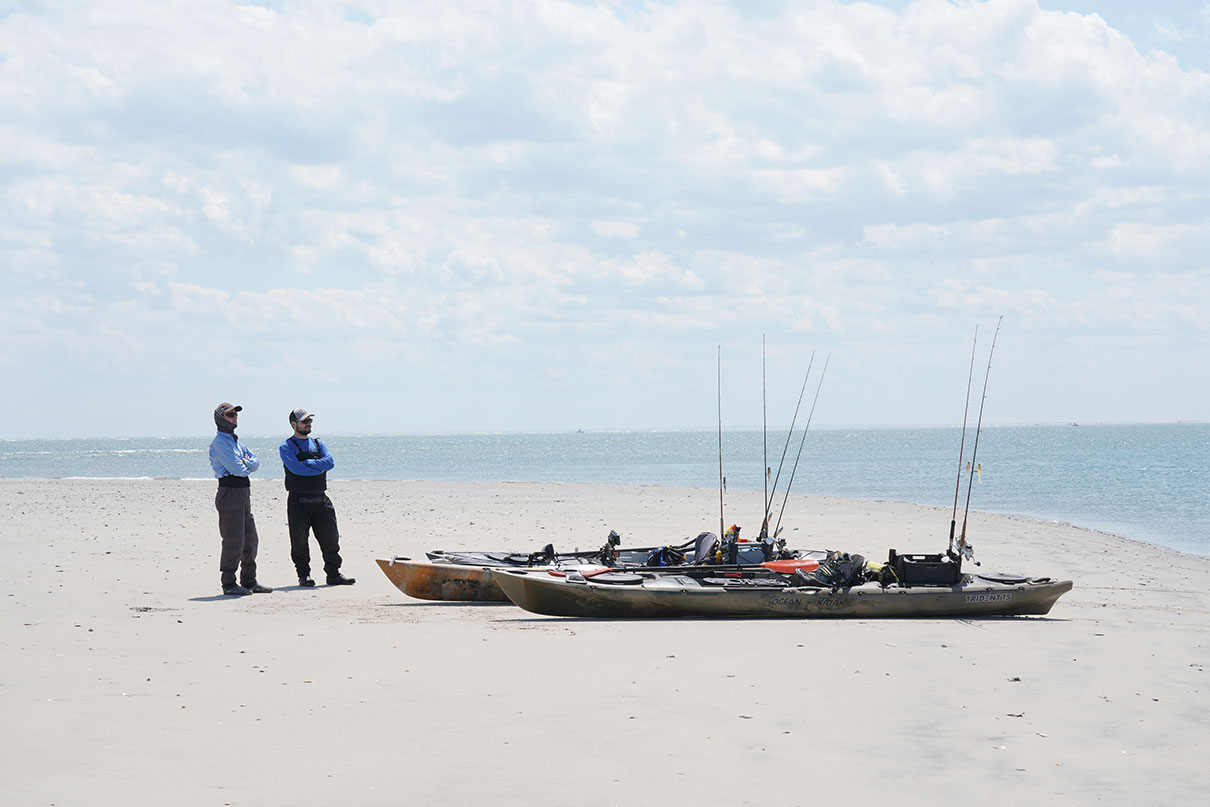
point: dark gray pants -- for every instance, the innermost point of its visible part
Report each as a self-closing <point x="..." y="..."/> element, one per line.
<point x="238" y="529"/>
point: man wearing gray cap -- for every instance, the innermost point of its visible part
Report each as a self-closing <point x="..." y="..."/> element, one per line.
<point x="233" y="462"/>
<point x="307" y="462"/>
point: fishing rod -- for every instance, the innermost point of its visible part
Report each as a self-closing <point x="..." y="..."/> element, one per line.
<point x="693" y="570"/>
<point x="721" y="481"/>
<point x="962" y="547"/>
<point x="764" y="432"/>
<point x="962" y="444"/>
<point x="805" y="429"/>
<point x="789" y="434"/>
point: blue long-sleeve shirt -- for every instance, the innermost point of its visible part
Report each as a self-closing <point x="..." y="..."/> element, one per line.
<point x="229" y="457"/>
<point x="290" y="448"/>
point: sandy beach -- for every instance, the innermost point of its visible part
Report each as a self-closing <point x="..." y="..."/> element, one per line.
<point x="126" y="678"/>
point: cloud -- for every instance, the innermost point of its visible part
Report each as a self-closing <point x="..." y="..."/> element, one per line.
<point x="1134" y="239"/>
<point x="615" y="229"/>
<point x="447" y="192"/>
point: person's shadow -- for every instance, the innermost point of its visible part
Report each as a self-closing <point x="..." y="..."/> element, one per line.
<point x="222" y="597"/>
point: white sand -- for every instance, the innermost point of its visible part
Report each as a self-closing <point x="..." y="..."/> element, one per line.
<point x="125" y="678"/>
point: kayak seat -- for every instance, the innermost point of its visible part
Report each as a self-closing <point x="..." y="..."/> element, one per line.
<point x="705" y="546"/>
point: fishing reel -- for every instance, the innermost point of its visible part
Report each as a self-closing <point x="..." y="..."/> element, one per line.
<point x="966" y="551"/>
<point x="775" y="549"/>
<point x="542" y="558"/>
<point x="609" y="552"/>
<point x="728" y="549"/>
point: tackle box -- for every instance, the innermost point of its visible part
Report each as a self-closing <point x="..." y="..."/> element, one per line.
<point x="925" y="570"/>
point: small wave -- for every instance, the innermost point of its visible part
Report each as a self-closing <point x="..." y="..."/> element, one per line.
<point x="100" y="452"/>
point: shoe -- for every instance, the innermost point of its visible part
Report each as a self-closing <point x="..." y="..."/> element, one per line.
<point x="339" y="579"/>
<point x="257" y="588"/>
<point x="235" y="591"/>
<point x="306" y="582"/>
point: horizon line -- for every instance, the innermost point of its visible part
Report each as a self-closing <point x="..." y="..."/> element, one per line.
<point x="635" y="429"/>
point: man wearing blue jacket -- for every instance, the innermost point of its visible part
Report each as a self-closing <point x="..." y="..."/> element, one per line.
<point x="233" y="462"/>
<point x="307" y="462"/>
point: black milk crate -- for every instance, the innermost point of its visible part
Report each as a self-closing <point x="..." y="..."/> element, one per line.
<point x="925" y="570"/>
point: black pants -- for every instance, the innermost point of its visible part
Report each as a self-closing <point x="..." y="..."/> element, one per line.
<point x="238" y="530"/>
<point x="312" y="511"/>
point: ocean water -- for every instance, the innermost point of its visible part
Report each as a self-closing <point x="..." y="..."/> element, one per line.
<point x="1147" y="482"/>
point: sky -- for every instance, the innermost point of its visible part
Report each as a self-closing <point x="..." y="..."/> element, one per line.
<point x="550" y="215"/>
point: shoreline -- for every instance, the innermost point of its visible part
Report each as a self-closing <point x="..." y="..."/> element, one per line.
<point x="1093" y="478"/>
<point x="126" y="671"/>
<point x="617" y="485"/>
